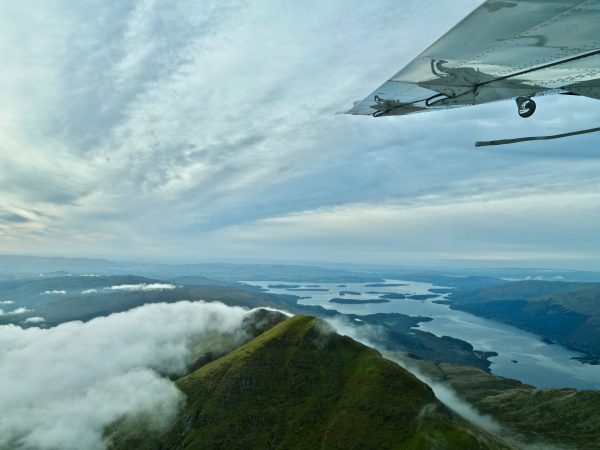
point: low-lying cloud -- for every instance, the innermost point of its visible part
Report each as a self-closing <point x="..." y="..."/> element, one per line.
<point x="370" y="334"/>
<point x="20" y="310"/>
<point x="60" y="387"/>
<point x="36" y="319"/>
<point x="143" y="287"/>
<point x="54" y="292"/>
<point x="6" y="302"/>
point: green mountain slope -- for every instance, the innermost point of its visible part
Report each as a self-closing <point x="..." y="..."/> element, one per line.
<point x="302" y="386"/>
<point x="565" y="417"/>
<point x="568" y="313"/>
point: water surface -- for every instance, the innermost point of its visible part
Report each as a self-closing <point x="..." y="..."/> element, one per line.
<point x="537" y="362"/>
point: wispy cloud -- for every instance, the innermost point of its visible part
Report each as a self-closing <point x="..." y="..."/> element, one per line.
<point x="162" y="124"/>
<point x="477" y="229"/>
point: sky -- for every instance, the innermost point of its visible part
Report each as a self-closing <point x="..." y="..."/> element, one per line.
<point x="200" y="130"/>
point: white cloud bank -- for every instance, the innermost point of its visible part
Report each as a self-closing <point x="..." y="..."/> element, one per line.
<point x="54" y="293"/>
<point x="60" y="387"/>
<point x="143" y="287"/>
<point x="7" y="302"/>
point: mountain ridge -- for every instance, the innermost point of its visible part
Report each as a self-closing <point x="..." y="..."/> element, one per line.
<point x="300" y="385"/>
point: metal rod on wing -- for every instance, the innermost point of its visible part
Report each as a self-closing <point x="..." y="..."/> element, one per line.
<point x="535" y="138"/>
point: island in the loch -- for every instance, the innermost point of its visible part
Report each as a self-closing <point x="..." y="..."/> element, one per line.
<point x="349" y="301"/>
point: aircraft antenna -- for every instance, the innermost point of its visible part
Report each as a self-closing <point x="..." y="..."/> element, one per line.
<point x="535" y="138"/>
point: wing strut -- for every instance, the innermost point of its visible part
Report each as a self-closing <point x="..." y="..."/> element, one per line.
<point x="535" y="138"/>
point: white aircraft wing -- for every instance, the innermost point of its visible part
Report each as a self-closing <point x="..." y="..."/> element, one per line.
<point x="504" y="49"/>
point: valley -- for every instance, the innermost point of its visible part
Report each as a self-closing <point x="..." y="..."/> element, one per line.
<point x="532" y="386"/>
<point x="507" y="350"/>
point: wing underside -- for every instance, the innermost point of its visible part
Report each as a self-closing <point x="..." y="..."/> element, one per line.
<point x="504" y="49"/>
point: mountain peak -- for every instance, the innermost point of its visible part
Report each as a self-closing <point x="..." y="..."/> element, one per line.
<point x="300" y="385"/>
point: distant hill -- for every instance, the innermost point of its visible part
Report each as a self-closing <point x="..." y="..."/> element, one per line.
<point x="467" y="283"/>
<point x="522" y="290"/>
<point x="197" y="280"/>
<point x="302" y="386"/>
<point x="503" y="274"/>
<point x="568" y="313"/>
<point x="37" y="290"/>
<point x="33" y="265"/>
<point x="63" y="298"/>
<point x="27" y="266"/>
<point x="279" y="272"/>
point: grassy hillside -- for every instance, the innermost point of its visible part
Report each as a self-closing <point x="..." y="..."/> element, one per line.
<point x="565" y="417"/>
<point x="568" y="313"/>
<point x="301" y="386"/>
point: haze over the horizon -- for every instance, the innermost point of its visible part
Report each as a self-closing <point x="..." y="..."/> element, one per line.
<point x="199" y="130"/>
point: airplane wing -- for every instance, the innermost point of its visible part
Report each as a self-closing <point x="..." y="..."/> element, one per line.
<point x="504" y="49"/>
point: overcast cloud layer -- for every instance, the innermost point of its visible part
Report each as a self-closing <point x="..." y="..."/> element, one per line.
<point x="199" y="130"/>
<point x="60" y="387"/>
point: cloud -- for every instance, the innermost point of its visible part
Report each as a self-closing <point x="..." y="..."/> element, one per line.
<point x="14" y="311"/>
<point x="89" y="291"/>
<point x="12" y="217"/>
<point x="451" y="399"/>
<point x="6" y="302"/>
<point x="161" y="126"/>
<point x="369" y="335"/>
<point x="60" y="387"/>
<point x="476" y="229"/>
<point x="55" y="292"/>
<point x="143" y="287"/>
<point x="36" y="319"/>
<point x="20" y="310"/>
